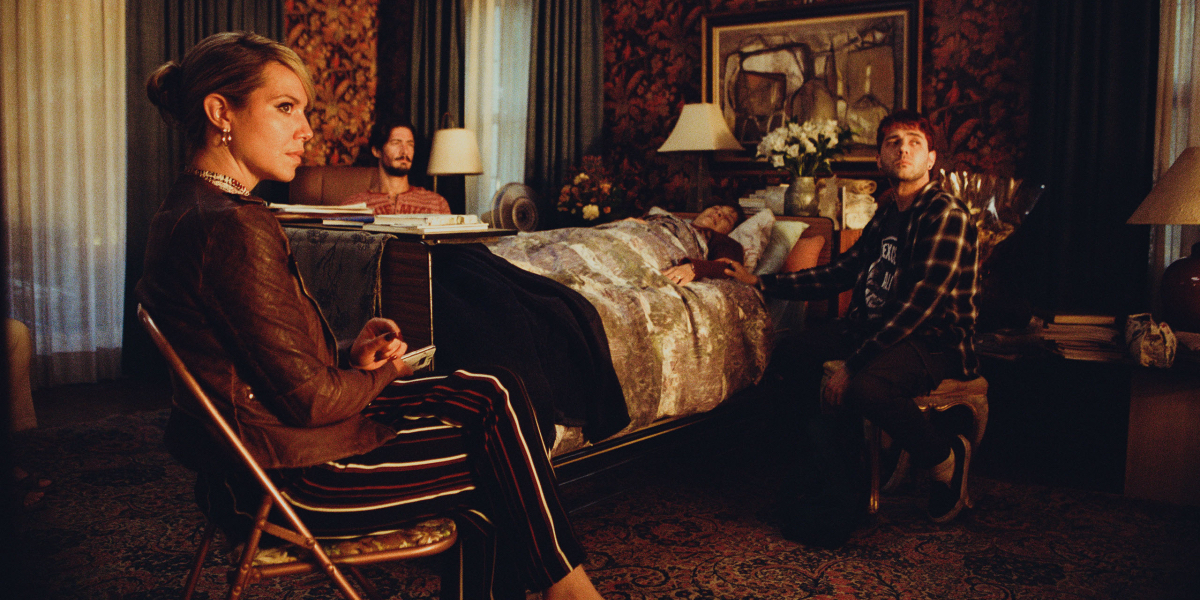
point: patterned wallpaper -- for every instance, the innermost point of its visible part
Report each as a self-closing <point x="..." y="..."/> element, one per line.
<point x="337" y="40"/>
<point x="975" y="81"/>
<point x="975" y="85"/>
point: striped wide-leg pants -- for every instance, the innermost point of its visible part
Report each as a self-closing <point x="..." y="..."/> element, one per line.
<point x="468" y="445"/>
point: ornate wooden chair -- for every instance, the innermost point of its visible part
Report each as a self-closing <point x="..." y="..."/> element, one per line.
<point x="301" y="553"/>
<point x="949" y="394"/>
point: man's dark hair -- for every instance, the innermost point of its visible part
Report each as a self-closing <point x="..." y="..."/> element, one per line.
<point x="382" y="130"/>
<point x="906" y="118"/>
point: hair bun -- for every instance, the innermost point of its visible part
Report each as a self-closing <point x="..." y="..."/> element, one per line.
<point x="163" y="88"/>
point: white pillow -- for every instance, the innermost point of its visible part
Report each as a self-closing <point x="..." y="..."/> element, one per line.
<point x="754" y="234"/>
<point x="783" y="238"/>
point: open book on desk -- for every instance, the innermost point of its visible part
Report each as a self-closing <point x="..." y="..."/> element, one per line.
<point x="426" y="223"/>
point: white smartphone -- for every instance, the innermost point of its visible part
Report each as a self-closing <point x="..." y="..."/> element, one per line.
<point x="420" y="359"/>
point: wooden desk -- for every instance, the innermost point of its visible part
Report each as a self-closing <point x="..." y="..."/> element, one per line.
<point x="1162" y="460"/>
<point x="406" y="280"/>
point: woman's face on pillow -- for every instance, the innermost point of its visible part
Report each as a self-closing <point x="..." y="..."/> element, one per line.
<point x="720" y="218"/>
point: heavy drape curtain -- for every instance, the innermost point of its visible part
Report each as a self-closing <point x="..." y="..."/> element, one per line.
<point x="159" y="32"/>
<point x="437" y="83"/>
<point x="566" y="94"/>
<point x="63" y="87"/>
<point x="1092" y="144"/>
<point x="497" y="92"/>
<point x="1178" y="117"/>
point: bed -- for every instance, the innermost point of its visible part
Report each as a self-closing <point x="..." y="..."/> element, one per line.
<point x="680" y="352"/>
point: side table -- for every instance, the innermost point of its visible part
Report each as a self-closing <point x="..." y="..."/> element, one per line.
<point x="1162" y="461"/>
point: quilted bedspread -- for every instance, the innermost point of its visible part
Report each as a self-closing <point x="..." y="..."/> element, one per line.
<point x="677" y="350"/>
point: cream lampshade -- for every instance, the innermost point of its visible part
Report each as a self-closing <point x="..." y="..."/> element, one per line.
<point x="701" y="128"/>
<point x="454" y="152"/>
<point x="1175" y="200"/>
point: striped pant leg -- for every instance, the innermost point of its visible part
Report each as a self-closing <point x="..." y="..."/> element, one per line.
<point x="454" y="432"/>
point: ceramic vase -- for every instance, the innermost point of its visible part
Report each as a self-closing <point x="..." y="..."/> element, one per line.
<point x="800" y="200"/>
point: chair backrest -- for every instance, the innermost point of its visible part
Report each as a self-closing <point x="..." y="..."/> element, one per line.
<point x="301" y="536"/>
<point x="331" y="184"/>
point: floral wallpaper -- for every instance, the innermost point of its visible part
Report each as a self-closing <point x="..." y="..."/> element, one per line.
<point x="974" y="85"/>
<point x="337" y="40"/>
<point x="975" y="81"/>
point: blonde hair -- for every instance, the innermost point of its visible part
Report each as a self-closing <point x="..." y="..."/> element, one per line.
<point x="230" y="64"/>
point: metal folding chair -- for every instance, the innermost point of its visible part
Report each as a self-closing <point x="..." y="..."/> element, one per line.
<point x="301" y="553"/>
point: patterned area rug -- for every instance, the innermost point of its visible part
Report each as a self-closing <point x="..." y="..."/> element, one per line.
<point x="119" y="522"/>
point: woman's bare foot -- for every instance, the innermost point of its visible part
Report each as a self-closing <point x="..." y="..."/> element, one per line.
<point x="575" y="586"/>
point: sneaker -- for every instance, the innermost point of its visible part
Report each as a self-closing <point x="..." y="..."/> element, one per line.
<point x="946" y="500"/>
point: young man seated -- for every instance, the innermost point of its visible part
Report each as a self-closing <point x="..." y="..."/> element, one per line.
<point x="390" y="193"/>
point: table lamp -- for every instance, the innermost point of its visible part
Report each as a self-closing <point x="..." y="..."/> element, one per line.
<point x="701" y="128"/>
<point x="1175" y="200"/>
<point x="454" y="152"/>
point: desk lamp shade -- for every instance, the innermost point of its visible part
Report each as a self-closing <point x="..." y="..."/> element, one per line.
<point x="1175" y="200"/>
<point x="701" y="128"/>
<point x="454" y="152"/>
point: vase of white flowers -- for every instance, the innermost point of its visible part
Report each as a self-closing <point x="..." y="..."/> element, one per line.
<point x="803" y="151"/>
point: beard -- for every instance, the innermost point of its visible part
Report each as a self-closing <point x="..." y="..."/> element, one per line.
<point x="396" y="171"/>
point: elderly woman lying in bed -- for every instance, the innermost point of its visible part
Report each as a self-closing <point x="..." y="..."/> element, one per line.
<point x="714" y="224"/>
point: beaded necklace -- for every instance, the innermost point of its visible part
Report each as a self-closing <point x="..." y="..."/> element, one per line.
<point x="223" y="182"/>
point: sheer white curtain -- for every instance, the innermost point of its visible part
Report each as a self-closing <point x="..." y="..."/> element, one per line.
<point x="62" y="101"/>
<point x="497" y="92"/>
<point x="1178" y="117"/>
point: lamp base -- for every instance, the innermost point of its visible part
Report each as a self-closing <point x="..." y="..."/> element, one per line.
<point x="1181" y="293"/>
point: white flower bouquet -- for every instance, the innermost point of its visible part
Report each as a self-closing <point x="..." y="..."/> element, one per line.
<point x="804" y="149"/>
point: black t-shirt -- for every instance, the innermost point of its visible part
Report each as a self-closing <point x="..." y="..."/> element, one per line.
<point x="881" y="276"/>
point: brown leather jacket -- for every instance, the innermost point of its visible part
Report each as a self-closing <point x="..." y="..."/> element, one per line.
<point x="221" y="282"/>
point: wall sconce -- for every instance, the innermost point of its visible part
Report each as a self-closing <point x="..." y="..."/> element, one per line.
<point x="454" y="151"/>
<point x="701" y="129"/>
<point x="1175" y="200"/>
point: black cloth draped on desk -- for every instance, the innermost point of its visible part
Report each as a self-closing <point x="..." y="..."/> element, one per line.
<point x="488" y="312"/>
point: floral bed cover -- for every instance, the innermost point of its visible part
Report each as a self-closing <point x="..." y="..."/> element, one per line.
<point x="677" y="350"/>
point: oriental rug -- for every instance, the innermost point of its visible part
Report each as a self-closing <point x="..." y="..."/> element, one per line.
<point x="119" y="523"/>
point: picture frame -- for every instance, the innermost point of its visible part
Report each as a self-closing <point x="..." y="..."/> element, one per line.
<point x="855" y="62"/>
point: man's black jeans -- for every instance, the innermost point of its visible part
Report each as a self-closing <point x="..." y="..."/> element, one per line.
<point x="883" y="391"/>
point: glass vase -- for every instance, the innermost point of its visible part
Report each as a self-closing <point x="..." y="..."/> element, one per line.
<point x="800" y="199"/>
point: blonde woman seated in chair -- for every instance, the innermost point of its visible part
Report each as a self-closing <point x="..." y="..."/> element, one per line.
<point x="355" y="449"/>
<point x="910" y="325"/>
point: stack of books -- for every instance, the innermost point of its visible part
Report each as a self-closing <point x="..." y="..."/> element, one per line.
<point x="349" y="215"/>
<point x="426" y="223"/>
<point x="1086" y="337"/>
<point x="770" y="198"/>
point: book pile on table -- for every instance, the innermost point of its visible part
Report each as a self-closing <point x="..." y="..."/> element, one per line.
<point x="349" y="215"/>
<point x="426" y="223"/>
<point x="1086" y="337"/>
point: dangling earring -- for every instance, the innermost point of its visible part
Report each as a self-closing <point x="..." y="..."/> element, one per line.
<point x="226" y="137"/>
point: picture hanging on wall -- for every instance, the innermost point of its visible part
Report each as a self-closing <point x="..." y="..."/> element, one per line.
<point x="851" y="62"/>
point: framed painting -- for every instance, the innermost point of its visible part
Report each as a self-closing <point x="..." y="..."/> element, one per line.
<point x="855" y="62"/>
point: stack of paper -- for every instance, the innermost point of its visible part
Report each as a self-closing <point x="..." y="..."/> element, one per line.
<point x="426" y="223"/>
<point x="354" y="215"/>
<point x="1079" y="341"/>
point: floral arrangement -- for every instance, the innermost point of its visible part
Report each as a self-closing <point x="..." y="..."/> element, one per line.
<point x="804" y="150"/>
<point x="590" y="196"/>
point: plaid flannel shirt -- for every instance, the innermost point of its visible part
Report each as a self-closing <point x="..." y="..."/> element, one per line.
<point x="935" y="274"/>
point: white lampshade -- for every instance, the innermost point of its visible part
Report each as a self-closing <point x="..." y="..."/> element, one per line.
<point x="700" y="127"/>
<point x="1175" y="199"/>
<point x="454" y="152"/>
